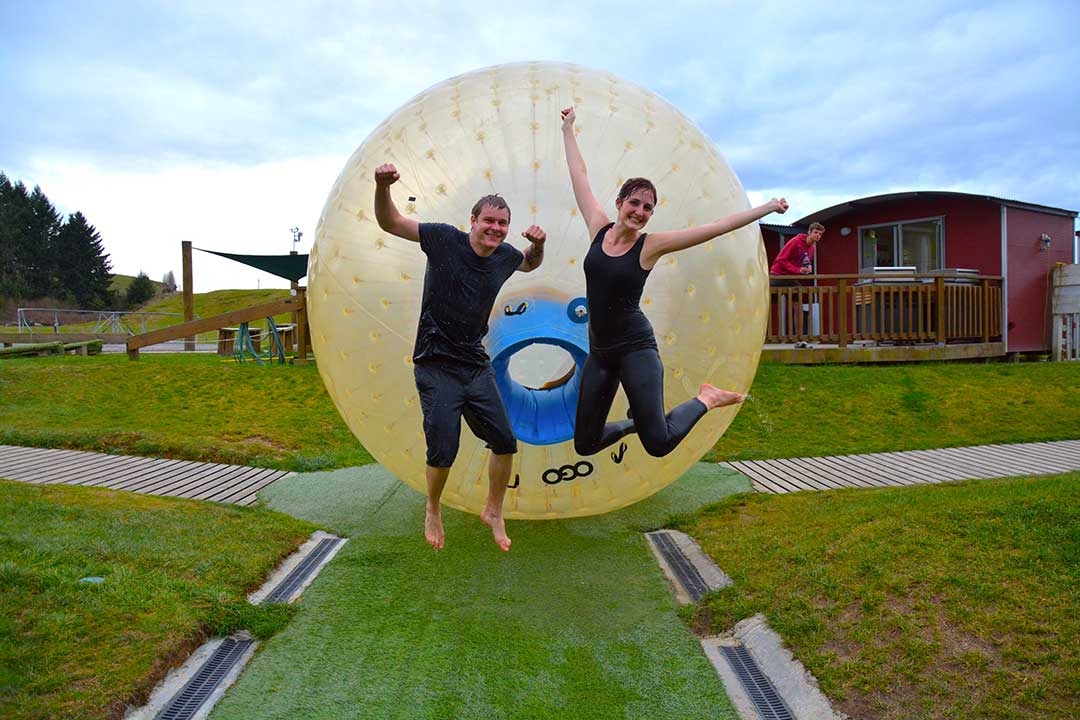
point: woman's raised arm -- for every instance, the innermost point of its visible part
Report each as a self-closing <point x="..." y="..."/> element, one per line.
<point x="591" y="211"/>
<point x="661" y="243"/>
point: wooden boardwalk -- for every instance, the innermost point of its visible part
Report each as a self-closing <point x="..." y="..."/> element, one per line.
<point x="235" y="484"/>
<point x="238" y="484"/>
<point x="914" y="467"/>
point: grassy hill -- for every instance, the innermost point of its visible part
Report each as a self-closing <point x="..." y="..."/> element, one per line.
<point x="214" y="303"/>
<point x="120" y="284"/>
<point x="167" y="310"/>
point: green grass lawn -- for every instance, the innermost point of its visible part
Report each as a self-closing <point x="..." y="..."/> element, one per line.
<point x="880" y="593"/>
<point x="806" y="410"/>
<point x="190" y="407"/>
<point x="203" y="407"/>
<point x="951" y="601"/>
<point x="172" y="571"/>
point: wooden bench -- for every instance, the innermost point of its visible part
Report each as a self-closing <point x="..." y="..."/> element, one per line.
<point x="25" y="338"/>
<point x="85" y="347"/>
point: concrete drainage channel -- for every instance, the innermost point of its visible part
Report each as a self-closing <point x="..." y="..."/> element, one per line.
<point x="191" y="691"/>
<point x="762" y="678"/>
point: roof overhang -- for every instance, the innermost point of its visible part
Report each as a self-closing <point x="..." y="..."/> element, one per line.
<point x="823" y="216"/>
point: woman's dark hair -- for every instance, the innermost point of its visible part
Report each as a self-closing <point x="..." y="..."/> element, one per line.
<point x="634" y="184"/>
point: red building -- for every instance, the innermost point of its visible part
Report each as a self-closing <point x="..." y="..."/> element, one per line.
<point x="939" y="231"/>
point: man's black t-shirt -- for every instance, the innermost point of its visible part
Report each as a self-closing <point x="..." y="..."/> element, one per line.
<point x="460" y="288"/>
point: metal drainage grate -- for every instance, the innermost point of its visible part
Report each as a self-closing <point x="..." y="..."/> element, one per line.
<point x="762" y="693"/>
<point x="684" y="570"/>
<point x="199" y="688"/>
<point x="302" y="571"/>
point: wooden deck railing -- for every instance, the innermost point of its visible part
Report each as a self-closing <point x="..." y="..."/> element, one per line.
<point x="906" y="309"/>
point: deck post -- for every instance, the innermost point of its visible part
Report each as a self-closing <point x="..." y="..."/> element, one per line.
<point x="939" y="289"/>
<point x="842" y="315"/>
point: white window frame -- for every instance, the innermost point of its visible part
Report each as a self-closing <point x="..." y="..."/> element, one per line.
<point x="897" y="237"/>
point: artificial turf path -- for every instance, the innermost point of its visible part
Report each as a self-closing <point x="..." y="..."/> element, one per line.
<point x="576" y="620"/>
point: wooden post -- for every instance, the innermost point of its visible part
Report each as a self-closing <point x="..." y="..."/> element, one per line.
<point x="189" y="295"/>
<point x="939" y="288"/>
<point x="302" y="340"/>
<point x="985" y="286"/>
<point x="842" y="292"/>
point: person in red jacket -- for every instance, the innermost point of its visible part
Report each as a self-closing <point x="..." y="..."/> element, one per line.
<point x="797" y="258"/>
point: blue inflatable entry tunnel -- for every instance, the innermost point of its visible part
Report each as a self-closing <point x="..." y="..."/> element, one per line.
<point x="543" y="415"/>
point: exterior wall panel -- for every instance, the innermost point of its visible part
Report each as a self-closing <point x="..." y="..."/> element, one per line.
<point x="1030" y="274"/>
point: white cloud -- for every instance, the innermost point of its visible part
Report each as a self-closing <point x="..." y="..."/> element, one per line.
<point x="230" y="121"/>
<point x="143" y="216"/>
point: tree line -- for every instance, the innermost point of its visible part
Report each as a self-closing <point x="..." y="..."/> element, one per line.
<point x="43" y="255"/>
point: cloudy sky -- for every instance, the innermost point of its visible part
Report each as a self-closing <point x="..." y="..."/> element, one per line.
<point x="226" y="123"/>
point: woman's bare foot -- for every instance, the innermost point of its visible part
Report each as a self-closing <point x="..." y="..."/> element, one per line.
<point x="433" y="530"/>
<point x="494" y="520"/>
<point x="714" y="397"/>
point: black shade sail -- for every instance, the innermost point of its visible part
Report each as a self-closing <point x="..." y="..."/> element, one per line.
<point x="290" y="267"/>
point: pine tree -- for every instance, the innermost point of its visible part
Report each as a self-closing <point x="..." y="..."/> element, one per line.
<point x="16" y="245"/>
<point x="140" y="290"/>
<point x="83" y="272"/>
<point x="8" y="270"/>
<point x="169" y="281"/>
<point x="41" y="255"/>
<point x="43" y="259"/>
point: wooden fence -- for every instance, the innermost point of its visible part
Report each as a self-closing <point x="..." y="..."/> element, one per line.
<point x="903" y="310"/>
<point x="1065" y="328"/>
<point x="295" y="304"/>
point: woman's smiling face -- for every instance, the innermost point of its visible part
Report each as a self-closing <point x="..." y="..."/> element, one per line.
<point x="636" y="209"/>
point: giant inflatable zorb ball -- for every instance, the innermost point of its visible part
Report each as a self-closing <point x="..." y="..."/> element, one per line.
<point x="498" y="131"/>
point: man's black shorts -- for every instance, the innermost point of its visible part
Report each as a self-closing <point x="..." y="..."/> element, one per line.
<point x="450" y="391"/>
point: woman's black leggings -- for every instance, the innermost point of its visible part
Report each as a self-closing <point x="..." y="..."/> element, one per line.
<point x="642" y="376"/>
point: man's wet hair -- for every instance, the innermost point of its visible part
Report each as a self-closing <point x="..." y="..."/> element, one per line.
<point x="634" y="184"/>
<point x="491" y="201"/>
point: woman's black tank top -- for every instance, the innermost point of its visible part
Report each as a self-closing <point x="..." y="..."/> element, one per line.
<point x="613" y="287"/>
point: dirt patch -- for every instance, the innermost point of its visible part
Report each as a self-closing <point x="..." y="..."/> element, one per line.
<point x="263" y="441"/>
<point x="700" y="622"/>
<point x="958" y="659"/>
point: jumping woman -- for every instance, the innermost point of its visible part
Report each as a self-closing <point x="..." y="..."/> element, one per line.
<point x="622" y="346"/>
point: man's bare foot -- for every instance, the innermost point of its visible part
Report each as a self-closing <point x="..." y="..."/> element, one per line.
<point x="494" y="520"/>
<point x="714" y="397"/>
<point x="433" y="531"/>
